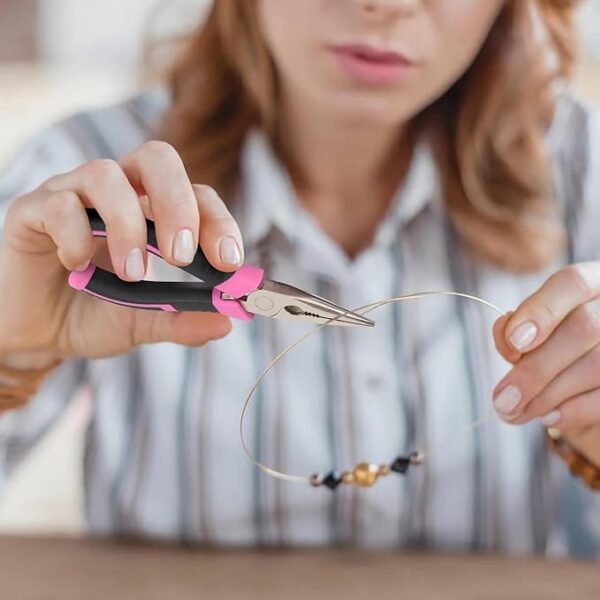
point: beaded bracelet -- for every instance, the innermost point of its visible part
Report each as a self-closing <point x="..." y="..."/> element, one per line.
<point x="579" y="465"/>
<point x="363" y="474"/>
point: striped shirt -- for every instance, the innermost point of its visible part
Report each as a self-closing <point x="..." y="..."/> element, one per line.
<point x="162" y="452"/>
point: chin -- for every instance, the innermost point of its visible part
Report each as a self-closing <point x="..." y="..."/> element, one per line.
<point x="371" y="111"/>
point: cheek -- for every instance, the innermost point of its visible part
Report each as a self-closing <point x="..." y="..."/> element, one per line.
<point x="305" y="73"/>
<point x="289" y="45"/>
<point x="461" y="28"/>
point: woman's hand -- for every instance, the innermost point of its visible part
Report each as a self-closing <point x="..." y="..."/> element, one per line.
<point x="553" y="341"/>
<point x="47" y="234"/>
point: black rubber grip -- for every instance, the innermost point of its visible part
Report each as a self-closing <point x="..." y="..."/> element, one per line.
<point x="199" y="267"/>
<point x="151" y="295"/>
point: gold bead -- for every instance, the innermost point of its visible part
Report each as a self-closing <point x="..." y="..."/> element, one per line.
<point x="365" y="475"/>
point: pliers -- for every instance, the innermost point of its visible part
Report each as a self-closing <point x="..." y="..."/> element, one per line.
<point x="240" y="295"/>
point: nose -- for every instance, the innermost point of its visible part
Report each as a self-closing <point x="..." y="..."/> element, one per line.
<point x="388" y="8"/>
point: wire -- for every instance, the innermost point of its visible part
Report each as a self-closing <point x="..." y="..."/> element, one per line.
<point x="363" y="310"/>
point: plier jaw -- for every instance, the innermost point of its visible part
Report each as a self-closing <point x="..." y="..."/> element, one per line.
<point x="282" y="301"/>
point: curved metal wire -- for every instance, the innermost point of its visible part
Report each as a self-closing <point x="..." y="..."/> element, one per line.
<point x="363" y="310"/>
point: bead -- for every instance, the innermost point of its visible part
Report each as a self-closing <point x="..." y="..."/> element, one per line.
<point x="401" y="464"/>
<point x="315" y="480"/>
<point x="417" y="458"/>
<point x="332" y="480"/>
<point x="384" y="470"/>
<point x="365" y="475"/>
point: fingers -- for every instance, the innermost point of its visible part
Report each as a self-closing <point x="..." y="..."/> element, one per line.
<point x="185" y="215"/>
<point x="189" y="329"/>
<point x="150" y="182"/>
<point x="579" y="333"/>
<point x="505" y="349"/>
<point x="66" y="222"/>
<point x="157" y="170"/>
<point x="539" y="315"/>
<point x="103" y="185"/>
<point x="579" y="378"/>
<point x="578" y="411"/>
<point x="39" y="223"/>
<point x="220" y="236"/>
<point x="147" y="207"/>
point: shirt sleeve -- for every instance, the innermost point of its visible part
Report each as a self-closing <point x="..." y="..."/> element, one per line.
<point x="578" y="176"/>
<point x="51" y="152"/>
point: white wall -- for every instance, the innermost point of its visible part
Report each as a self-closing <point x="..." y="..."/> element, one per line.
<point x="110" y="32"/>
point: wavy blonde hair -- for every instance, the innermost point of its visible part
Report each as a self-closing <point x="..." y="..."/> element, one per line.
<point x="487" y="131"/>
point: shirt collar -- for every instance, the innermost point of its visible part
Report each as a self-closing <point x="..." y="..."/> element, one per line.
<point x="269" y="200"/>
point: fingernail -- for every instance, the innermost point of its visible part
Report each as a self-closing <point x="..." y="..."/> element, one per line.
<point x="83" y="266"/>
<point x="230" y="251"/>
<point x="134" y="265"/>
<point x="508" y="399"/>
<point x="183" y="246"/>
<point x="523" y="335"/>
<point x="552" y="419"/>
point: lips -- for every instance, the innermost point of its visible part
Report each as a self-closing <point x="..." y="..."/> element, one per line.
<point x="370" y="65"/>
<point x="372" y="54"/>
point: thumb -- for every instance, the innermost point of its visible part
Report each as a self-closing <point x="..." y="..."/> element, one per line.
<point x="502" y="346"/>
<point x="186" y="328"/>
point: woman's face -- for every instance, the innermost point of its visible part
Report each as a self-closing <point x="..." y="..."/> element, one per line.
<point x="375" y="62"/>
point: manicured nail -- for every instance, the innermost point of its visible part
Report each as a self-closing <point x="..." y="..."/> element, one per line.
<point x="230" y="251"/>
<point x="83" y="266"/>
<point x="183" y="246"/>
<point x="508" y="399"/>
<point x="134" y="265"/>
<point x="523" y="335"/>
<point x="552" y="419"/>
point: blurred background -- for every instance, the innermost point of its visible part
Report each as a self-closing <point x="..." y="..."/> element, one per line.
<point x="57" y="56"/>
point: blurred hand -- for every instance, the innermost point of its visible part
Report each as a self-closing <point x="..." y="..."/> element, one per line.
<point x="47" y="234"/>
<point x="553" y="341"/>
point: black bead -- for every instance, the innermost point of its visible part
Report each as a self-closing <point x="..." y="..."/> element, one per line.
<point x="401" y="464"/>
<point x="332" y="480"/>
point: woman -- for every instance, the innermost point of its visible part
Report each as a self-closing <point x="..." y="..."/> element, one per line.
<point x="365" y="148"/>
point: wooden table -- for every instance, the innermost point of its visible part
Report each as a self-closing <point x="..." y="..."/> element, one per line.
<point x="60" y="569"/>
